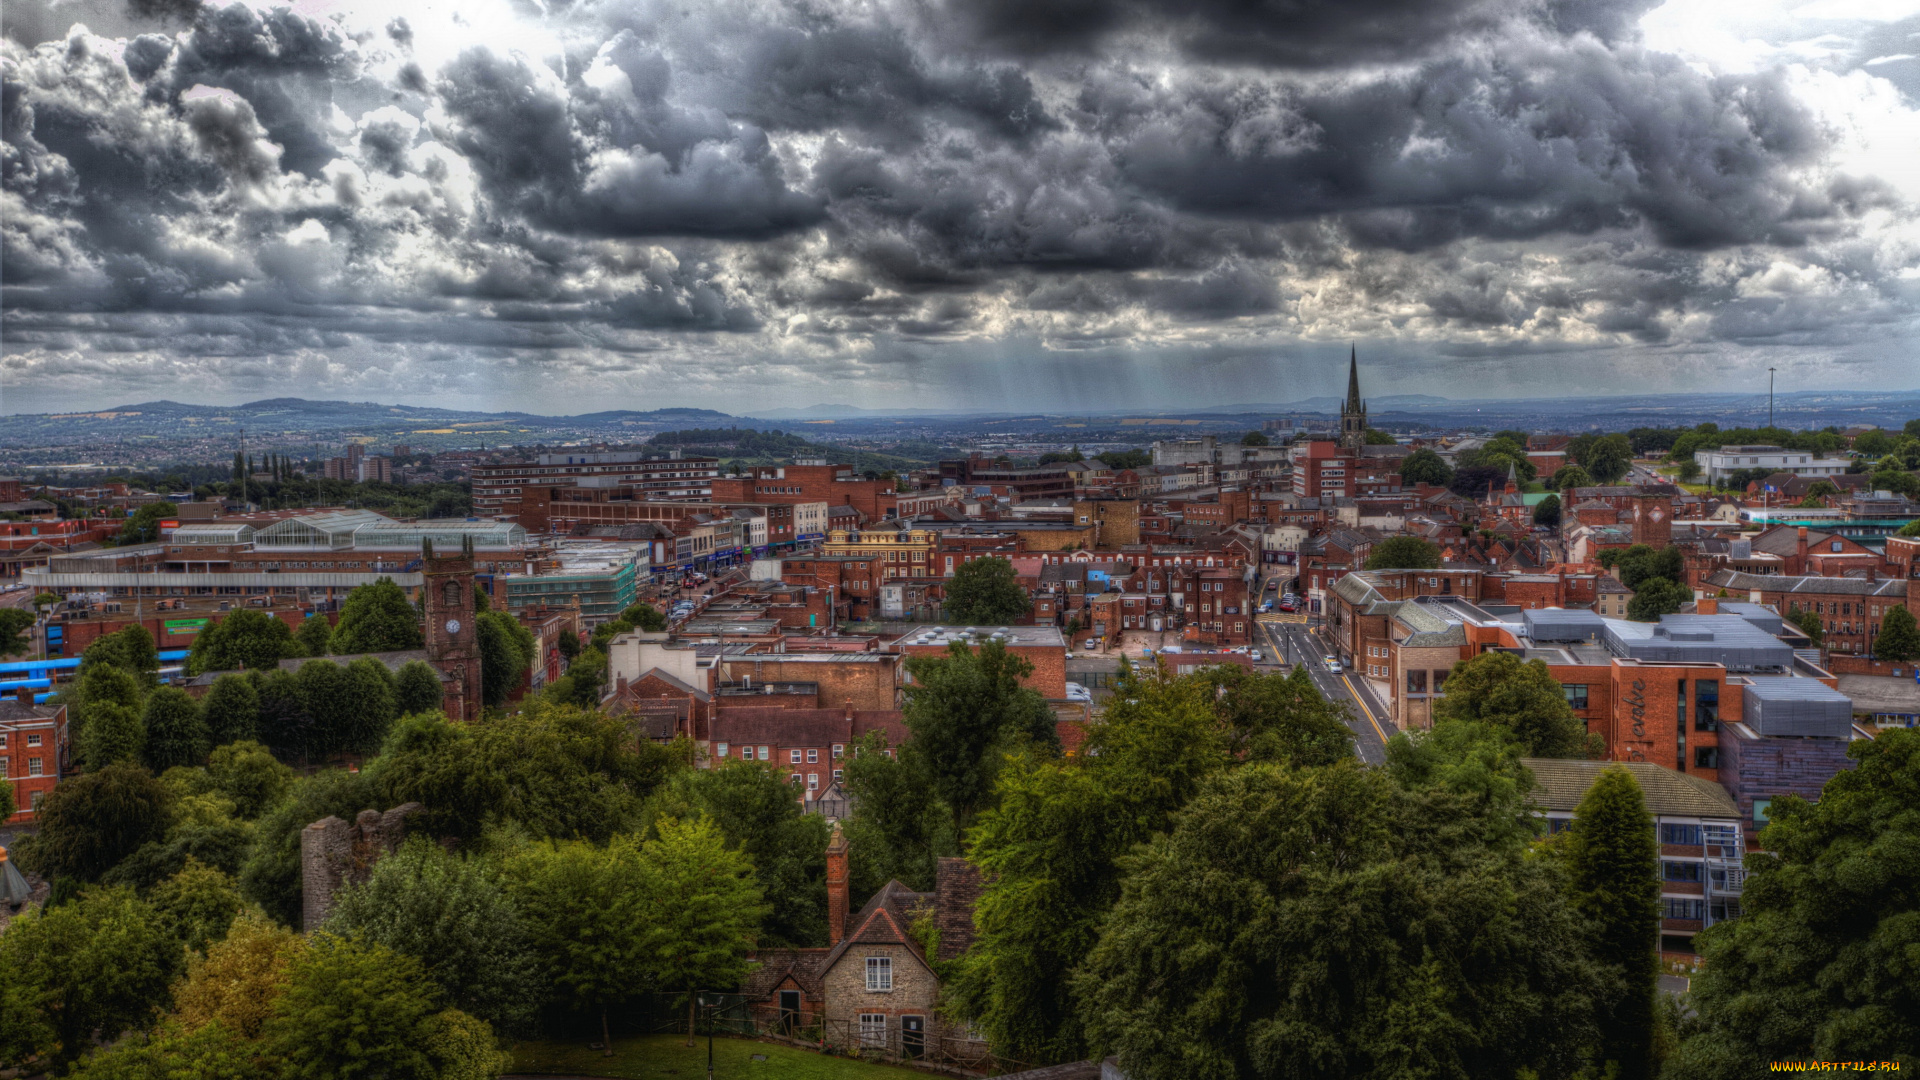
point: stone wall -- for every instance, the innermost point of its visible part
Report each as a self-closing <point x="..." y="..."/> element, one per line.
<point x="915" y="990"/>
<point x="334" y="853"/>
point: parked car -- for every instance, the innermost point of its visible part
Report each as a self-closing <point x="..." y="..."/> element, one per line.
<point x="1258" y="656"/>
<point x="1090" y="644"/>
<point x="1077" y="692"/>
<point x="1333" y="664"/>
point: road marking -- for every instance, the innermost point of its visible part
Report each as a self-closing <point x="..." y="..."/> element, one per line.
<point x="1360" y="701"/>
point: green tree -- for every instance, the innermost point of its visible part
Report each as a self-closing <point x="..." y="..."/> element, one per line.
<point x="231" y="710"/>
<point x="175" y="729"/>
<point x="965" y="710"/>
<point x="461" y="1047"/>
<point x="588" y="917"/>
<point x="1547" y="512"/>
<point x="507" y="650"/>
<point x="352" y="1010"/>
<point x="130" y="649"/>
<point x="1053" y="849"/>
<point x="1321" y="922"/>
<point x="197" y="905"/>
<point x="758" y="813"/>
<point x="1608" y="458"/>
<point x="1808" y="620"/>
<point x="327" y="693"/>
<point x="144" y="526"/>
<point x="1640" y="563"/>
<point x="416" y="689"/>
<point x="1274" y="717"/>
<point x="572" y="772"/>
<point x="986" y="592"/>
<point x="1656" y="597"/>
<point x="1376" y="437"/>
<point x="1568" y="477"/>
<point x="98" y="966"/>
<point x="1873" y="443"/>
<point x="1818" y="965"/>
<point x="1688" y="471"/>
<point x="377" y="618"/>
<point x="284" y="723"/>
<point x="371" y="686"/>
<point x="706" y="909"/>
<point x="315" y="635"/>
<point x="1820" y="489"/>
<point x="1255" y="438"/>
<point x="440" y="764"/>
<point x="113" y="733"/>
<point x="1423" y="466"/>
<point x="246" y="638"/>
<point x="1614" y="886"/>
<point x="249" y="776"/>
<point x="898" y="828"/>
<point x="14" y="623"/>
<point x="1404" y="553"/>
<point x="1897" y="480"/>
<point x="1521" y="697"/>
<point x="442" y="910"/>
<point x="1899" y="640"/>
<point x="644" y="616"/>
<point x="212" y="1052"/>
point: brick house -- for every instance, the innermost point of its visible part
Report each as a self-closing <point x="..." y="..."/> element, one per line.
<point x="874" y="987"/>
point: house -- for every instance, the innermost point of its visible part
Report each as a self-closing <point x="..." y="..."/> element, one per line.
<point x="33" y="752"/>
<point x="875" y="987"/>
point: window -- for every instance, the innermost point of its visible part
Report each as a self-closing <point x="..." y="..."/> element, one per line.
<point x="33" y="766"/>
<point x="873" y="1029"/>
<point x="1706" y="757"/>
<point x="720" y="750"/>
<point x="766" y="753"/>
<point x="33" y="740"/>
<point x="1678" y="908"/>
<point x="3" y="740"/>
<point x="1416" y="682"/>
<point x="813" y="781"/>
<point x="1836" y="545"/>
<point x="1706" y="705"/>
<point x="879" y="973"/>
<point x="813" y="755"/>
<point x="4" y="773"/>
<point x="793" y="778"/>
<point x="839" y="775"/>
<point x="1576" y="695"/>
<point x="793" y="757"/>
<point x="1680" y="834"/>
<point x="1680" y="871"/>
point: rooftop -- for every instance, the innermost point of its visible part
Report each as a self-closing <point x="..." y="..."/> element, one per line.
<point x="1560" y="784"/>
<point x="941" y="636"/>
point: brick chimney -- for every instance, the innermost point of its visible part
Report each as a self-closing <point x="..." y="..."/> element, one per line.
<point x="1800" y="551"/>
<point x="24" y="695"/>
<point x="1707" y="605"/>
<point x="836" y="887"/>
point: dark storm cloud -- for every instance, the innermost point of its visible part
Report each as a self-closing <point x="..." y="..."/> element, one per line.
<point x="810" y="180"/>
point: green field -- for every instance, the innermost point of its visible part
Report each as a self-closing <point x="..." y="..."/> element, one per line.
<point x="647" y="1057"/>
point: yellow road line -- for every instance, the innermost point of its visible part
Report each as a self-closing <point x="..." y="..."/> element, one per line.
<point x="1362" y="702"/>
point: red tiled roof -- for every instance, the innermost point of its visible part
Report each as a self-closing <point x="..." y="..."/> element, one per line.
<point x="804" y="727"/>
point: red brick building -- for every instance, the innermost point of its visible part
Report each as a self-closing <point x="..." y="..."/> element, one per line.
<point x="33" y="751"/>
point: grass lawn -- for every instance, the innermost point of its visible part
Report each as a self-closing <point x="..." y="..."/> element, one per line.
<point x="648" y="1057"/>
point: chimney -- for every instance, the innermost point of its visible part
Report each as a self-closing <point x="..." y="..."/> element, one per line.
<point x="1800" y="550"/>
<point x="836" y="887"/>
<point x="1707" y="605"/>
<point x="24" y="695"/>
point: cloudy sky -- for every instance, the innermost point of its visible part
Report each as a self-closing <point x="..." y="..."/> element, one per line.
<point x="1029" y="204"/>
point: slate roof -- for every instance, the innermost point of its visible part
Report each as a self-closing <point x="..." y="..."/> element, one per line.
<point x="1559" y="784"/>
<point x="1428" y="629"/>
<point x="1808" y="584"/>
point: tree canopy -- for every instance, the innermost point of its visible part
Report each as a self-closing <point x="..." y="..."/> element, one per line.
<point x="243" y="638"/>
<point x="1404" y="553"/>
<point x="377" y="618"/>
<point x="1519" y="697"/>
<point x="985" y="591"/>
<point x="965" y="709"/>
<point x="1423" y="466"/>
<point x="1613" y="865"/>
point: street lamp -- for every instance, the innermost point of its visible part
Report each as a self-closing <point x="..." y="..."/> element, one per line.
<point x="704" y="1005"/>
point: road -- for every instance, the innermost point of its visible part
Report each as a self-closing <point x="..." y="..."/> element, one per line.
<point x="1368" y="717"/>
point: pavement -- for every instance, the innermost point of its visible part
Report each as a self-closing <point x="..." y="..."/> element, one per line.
<point x="1368" y="716"/>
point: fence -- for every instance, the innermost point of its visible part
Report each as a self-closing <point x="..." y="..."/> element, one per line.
<point x="933" y="1043"/>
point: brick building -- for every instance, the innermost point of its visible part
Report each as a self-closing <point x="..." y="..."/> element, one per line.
<point x="34" y="752"/>
<point x="1041" y="646"/>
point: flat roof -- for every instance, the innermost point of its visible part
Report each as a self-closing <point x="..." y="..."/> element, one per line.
<point x="941" y="636"/>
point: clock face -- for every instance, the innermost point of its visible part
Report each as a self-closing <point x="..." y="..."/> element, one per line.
<point x="453" y="626"/>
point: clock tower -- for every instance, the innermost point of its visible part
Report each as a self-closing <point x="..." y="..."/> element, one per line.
<point x="453" y="641"/>
<point x="1653" y="520"/>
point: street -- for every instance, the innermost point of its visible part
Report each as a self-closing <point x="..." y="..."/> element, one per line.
<point x="1294" y="643"/>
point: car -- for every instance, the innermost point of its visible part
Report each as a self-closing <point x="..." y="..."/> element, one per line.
<point x="1266" y="607"/>
<point x="1257" y="655"/>
<point x="1077" y="692"/>
<point x="1090" y="644"/>
<point x="1333" y="664"/>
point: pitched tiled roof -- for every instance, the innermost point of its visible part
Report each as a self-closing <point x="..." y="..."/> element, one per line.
<point x="1808" y="584"/>
<point x="1560" y="784"/>
<point x="803" y="727"/>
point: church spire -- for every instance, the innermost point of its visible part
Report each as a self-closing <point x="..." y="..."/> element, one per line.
<point x="1353" y="380"/>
